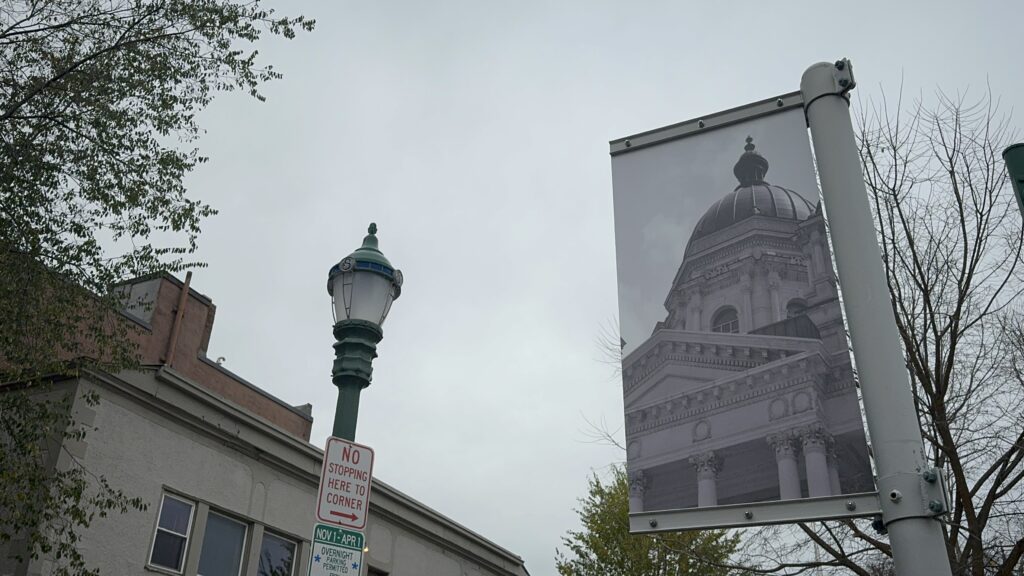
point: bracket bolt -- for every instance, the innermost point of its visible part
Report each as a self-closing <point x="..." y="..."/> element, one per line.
<point x="778" y="103"/>
<point x="936" y="507"/>
<point x="851" y="505"/>
<point x="653" y="523"/>
<point x="748" y="515"/>
<point x="628" y="143"/>
<point x="930" y="476"/>
<point x="840" y="64"/>
<point x="844" y="82"/>
<point x="700" y="123"/>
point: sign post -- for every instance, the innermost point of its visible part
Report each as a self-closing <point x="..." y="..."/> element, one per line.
<point x="336" y="552"/>
<point x="909" y="492"/>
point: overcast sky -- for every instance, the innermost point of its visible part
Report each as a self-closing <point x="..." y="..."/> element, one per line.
<point x="476" y="134"/>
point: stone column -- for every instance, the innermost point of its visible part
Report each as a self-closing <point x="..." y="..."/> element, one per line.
<point x="833" y="469"/>
<point x="693" y="322"/>
<point x="747" y="313"/>
<point x="773" y="294"/>
<point x="637" y="486"/>
<point x="785" y="458"/>
<point x="816" y="251"/>
<point x="815" y="440"/>
<point x="708" y="465"/>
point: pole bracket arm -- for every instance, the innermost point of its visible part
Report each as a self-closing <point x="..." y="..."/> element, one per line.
<point x="912" y="495"/>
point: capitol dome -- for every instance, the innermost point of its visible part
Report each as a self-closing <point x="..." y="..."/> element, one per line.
<point x="752" y="197"/>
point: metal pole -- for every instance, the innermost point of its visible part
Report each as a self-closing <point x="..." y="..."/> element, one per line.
<point x="906" y="485"/>
<point x="354" y="350"/>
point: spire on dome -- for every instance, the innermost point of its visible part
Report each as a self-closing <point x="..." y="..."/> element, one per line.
<point x="751" y="167"/>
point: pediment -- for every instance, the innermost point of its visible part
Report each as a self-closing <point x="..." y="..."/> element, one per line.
<point x="675" y="378"/>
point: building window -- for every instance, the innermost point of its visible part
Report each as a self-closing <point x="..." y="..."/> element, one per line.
<point x="726" y="320"/>
<point x="223" y="546"/>
<point x="172" y="530"/>
<point x="277" y="556"/>
<point x="795" y="307"/>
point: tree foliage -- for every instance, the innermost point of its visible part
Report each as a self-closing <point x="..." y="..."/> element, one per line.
<point x="98" y="104"/>
<point x="604" y="547"/>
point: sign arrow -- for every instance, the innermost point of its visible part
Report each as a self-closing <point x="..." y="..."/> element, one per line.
<point x="351" y="517"/>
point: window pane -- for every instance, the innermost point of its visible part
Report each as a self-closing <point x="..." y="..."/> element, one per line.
<point x="276" y="556"/>
<point x="222" y="547"/>
<point x="174" y="515"/>
<point x="168" y="550"/>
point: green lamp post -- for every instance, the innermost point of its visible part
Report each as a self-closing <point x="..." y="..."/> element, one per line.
<point x="362" y="287"/>
<point x="1014" y="158"/>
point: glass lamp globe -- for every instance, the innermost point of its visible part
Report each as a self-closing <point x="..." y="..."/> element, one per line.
<point x="364" y="284"/>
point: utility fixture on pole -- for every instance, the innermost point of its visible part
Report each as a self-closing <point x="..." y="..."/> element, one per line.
<point x="362" y="287"/>
<point x="1014" y="158"/>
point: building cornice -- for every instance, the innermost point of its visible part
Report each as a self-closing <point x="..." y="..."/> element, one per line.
<point x="167" y="392"/>
<point x="736" y="351"/>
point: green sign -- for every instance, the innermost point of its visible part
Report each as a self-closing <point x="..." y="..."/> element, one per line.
<point x="336" y="551"/>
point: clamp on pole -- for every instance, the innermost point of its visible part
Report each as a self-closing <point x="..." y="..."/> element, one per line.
<point x="908" y="495"/>
<point x="843" y="81"/>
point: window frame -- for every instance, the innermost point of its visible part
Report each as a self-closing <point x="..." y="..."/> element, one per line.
<point x="733" y="323"/>
<point x="295" y="552"/>
<point x="799" y="305"/>
<point x="187" y="535"/>
<point x="246" y="544"/>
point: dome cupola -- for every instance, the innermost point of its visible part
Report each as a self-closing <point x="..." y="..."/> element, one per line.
<point x="752" y="197"/>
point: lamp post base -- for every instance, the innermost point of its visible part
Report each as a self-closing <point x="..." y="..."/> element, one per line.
<point x="354" y="351"/>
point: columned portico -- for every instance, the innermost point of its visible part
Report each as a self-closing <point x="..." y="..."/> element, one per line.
<point x="815" y="442"/>
<point x="785" y="458"/>
<point x="708" y="466"/>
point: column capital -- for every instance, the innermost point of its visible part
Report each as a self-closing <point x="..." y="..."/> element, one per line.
<point x="784" y="444"/>
<point x="706" y="463"/>
<point x="815" y="437"/>
<point x="638" y="483"/>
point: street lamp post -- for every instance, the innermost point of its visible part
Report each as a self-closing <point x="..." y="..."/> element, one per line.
<point x="1014" y="158"/>
<point x="362" y="287"/>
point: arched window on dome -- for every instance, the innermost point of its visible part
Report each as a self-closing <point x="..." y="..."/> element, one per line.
<point x="795" y="307"/>
<point x="726" y="320"/>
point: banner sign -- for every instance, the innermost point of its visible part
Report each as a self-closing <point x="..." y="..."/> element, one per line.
<point x="737" y="377"/>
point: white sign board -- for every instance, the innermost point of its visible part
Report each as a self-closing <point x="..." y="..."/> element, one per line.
<point x="740" y="399"/>
<point x="335" y="552"/>
<point x="345" y="484"/>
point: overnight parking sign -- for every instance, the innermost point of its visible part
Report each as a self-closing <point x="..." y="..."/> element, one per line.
<point x="335" y="552"/>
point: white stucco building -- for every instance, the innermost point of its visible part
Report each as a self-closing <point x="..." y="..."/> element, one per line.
<point x="227" y="470"/>
<point x="745" y="391"/>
